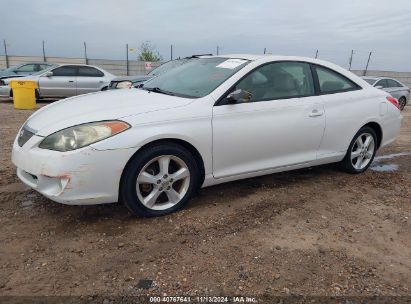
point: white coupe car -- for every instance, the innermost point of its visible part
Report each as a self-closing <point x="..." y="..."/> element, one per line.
<point x="213" y="120"/>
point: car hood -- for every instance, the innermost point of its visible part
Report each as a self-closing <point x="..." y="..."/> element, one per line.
<point x="99" y="106"/>
<point x="9" y="75"/>
<point x="5" y="73"/>
<point x="16" y="77"/>
<point x="132" y="78"/>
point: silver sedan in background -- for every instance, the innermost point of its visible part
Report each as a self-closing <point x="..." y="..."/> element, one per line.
<point x="64" y="81"/>
<point x="392" y="86"/>
<point x="25" y="69"/>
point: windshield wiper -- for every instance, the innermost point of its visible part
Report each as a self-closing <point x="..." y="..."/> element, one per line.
<point x="158" y="90"/>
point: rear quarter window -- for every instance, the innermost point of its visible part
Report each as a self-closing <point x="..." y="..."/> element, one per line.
<point x="333" y="82"/>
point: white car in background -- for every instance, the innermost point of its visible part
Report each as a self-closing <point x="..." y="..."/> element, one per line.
<point x="394" y="87"/>
<point x="212" y="120"/>
<point x="64" y="80"/>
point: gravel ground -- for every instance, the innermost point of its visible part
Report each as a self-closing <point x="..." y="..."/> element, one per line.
<point x="316" y="231"/>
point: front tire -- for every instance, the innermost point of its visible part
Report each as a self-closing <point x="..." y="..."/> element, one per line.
<point x="402" y="102"/>
<point x="37" y="93"/>
<point x="159" y="180"/>
<point x="361" y="151"/>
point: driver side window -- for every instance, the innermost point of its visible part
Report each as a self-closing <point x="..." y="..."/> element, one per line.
<point x="279" y="80"/>
<point x="382" y="83"/>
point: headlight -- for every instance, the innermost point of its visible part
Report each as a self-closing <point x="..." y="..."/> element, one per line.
<point x="124" y="85"/>
<point x="82" y="135"/>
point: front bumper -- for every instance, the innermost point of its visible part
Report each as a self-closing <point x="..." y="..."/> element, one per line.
<point x="81" y="177"/>
<point x="4" y="91"/>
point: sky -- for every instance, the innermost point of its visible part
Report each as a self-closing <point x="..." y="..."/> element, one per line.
<point x="293" y="27"/>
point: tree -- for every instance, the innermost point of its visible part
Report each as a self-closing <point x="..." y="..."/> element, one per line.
<point x="148" y="52"/>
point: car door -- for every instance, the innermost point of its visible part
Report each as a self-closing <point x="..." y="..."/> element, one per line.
<point x="281" y="124"/>
<point x="345" y="106"/>
<point x="89" y="79"/>
<point x="61" y="83"/>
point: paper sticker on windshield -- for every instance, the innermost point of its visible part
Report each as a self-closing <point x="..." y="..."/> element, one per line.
<point x="231" y="63"/>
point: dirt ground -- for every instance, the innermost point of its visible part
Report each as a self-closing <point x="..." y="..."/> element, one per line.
<point x="316" y="231"/>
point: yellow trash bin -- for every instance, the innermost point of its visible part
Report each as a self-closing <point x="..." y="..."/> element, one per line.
<point x="24" y="94"/>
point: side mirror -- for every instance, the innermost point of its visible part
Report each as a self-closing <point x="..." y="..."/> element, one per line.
<point x="239" y="96"/>
<point x="48" y="74"/>
<point x="378" y="87"/>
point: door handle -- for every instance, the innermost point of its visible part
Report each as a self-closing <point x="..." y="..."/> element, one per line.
<point x="71" y="81"/>
<point x="316" y="112"/>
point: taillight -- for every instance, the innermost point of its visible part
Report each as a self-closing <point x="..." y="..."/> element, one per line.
<point x="394" y="101"/>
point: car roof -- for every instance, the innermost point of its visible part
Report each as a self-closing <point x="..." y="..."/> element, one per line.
<point x="372" y="77"/>
<point x="250" y="57"/>
<point x="269" y="57"/>
<point x="379" y="78"/>
<point x="37" y="62"/>
<point x="78" y="64"/>
<point x="75" y="64"/>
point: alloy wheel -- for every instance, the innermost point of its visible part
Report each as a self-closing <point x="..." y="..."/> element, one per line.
<point x="362" y="151"/>
<point x="163" y="182"/>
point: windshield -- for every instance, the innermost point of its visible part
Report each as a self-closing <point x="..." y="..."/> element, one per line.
<point x="197" y="78"/>
<point x="45" y="70"/>
<point x="167" y="67"/>
<point x="370" y="80"/>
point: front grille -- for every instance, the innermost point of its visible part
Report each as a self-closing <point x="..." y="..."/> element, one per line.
<point x="24" y="135"/>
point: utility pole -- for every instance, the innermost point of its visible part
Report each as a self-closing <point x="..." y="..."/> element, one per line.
<point x="368" y="61"/>
<point x="5" y="52"/>
<point x="217" y="50"/>
<point x="85" y="52"/>
<point x="44" y="53"/>
<point x="171" y="52"/>
<point x="127" y="59"/>
<point x="352" y="53"/>
<point x="265" y="50"/>
<point x="316" y="54"/>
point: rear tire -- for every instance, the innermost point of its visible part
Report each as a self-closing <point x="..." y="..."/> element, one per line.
<point x="159" y="180"/>
<point x="361" y="151"/>
<point x="402" y="101"/>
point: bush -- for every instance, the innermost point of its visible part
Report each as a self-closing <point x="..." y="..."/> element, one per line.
<point x="148" y="52"/>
